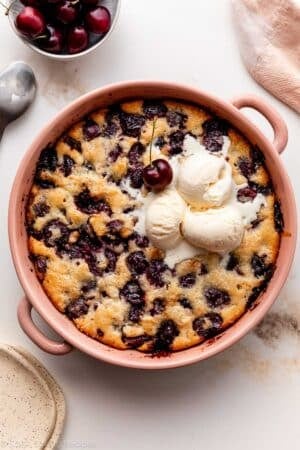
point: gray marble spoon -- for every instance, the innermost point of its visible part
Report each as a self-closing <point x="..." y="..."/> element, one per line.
<point x="17" y="92"/>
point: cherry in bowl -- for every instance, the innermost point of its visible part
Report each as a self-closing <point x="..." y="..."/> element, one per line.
<point x="30" y="22"/>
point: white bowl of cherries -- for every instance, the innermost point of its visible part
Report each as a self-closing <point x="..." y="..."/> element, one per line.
<point x="63" y="29"/>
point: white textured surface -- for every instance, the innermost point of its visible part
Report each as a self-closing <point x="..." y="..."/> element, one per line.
<point x="246" y="398"/>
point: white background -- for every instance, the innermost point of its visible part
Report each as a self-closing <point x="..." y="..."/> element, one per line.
<point x="248" y="397"/>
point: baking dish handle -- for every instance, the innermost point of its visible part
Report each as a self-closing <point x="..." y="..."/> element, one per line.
<point x="273" y="117"/>
<point x="28" y="326"/>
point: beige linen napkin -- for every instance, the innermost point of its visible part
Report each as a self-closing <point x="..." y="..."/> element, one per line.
<point x="269" y="38"/>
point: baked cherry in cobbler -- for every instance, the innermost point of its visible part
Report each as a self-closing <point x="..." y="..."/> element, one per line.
<point x="163" y="269"/>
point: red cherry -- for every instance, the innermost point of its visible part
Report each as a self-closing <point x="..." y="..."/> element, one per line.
<point x="53" y="43"/>
<point x="158" y="174"/>
<point x="98" y="20"/>
<point x="77" y="39"/>
<point x="30" y="22"/>
<point x="67" y="12"/>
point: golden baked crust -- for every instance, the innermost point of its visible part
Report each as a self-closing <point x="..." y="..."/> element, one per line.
<point x="106" y="277"/>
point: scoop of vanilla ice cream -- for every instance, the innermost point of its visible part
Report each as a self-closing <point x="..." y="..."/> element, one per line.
<point x="215" y="230"/>
<point x="204" y="180"/>
<point x="163" y="218"/>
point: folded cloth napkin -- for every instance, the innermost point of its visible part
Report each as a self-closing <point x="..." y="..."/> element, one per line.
<point x="269" y="38"/>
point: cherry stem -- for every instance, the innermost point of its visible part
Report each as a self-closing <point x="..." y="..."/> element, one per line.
<point x="151" y="142"/>
<point x="5" y="7"/>
<point x="41" y="36"/>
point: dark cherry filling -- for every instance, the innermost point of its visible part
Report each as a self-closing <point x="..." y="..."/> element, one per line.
<point x="265" y="189"/>
<point x="89" y="286"/>
<point x="246" y="194"/>
<point x="216" y="297"/>
<point x="188" y="280"/>
<point x="113" y="114"/>
<point x="112" y="260"/>
<point x="158" y="307"/>
<point x="110" y="130"/>
<point x="72" y="143"/>
<point x="246" y="167"/>
<point x="136" y="176"/>
<point x="278" y="217"/>
<point x="203" y="269"/>
<point x="214" y="130"/>
<point x="41" y="209"/>
<point x="40" y="263"/>
<point x="90" y="129"/>
<point x="43" y="184"/>
<point x="176" y="119"/>
<point x="137" y="341"/>
<point x="67" y="165"/>
<point x="257" y="157"/>
<point x="232" y="262"/>
<point x="115" y="226"/>
<point x="91" y="205"/>
<point x="185" y="303"/>
<point x="114" y="241"/>
<point x="256" y="291"/>
<point x="133" y="293"/>
<point x="129" y="209"/>
<point x="137" y="262"/>
<point x="99" y="332"/>
<point x="87" y="247"/>
<point x="216" y="124"/>
<point x="154" y="108"/>
<point x="135" y="313"/>
<point x="135" y="152"/>
<point x="131" y="124"/>
<point x="155" y="272"/>
<point x="88" y="165"/>
<point x="47" y="160"/>
<point x="176" y="142"/>
<point x="77" y="308"/>
<point x="213" y="142"/>
<point x="165" y="336"/>
<point x="208" y="325"/>
<point x="55" y="233"/>
<point x="256" y="222"/>
<point x="141" y="241"/>
<point x="259" y="265"/>
<point x="160" y="142"/>
<point x="112" y="126"/>
<point x="115" y="153"/>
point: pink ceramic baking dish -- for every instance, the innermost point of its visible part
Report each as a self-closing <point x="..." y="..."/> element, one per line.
<point x="36" y="298"/>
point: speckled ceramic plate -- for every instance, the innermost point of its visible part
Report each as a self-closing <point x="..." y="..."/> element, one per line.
<point x="57" y="394"/>
<point x="31" y="403"/>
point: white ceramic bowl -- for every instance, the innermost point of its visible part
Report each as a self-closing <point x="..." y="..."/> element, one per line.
<point x="112" y="5"/>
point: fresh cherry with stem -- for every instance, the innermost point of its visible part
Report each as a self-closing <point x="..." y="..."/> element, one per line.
<point x="53" y="40"/>
<point x="68" y="11"/>
<point x="158" y="174"/>
<point x="30" y="22"/>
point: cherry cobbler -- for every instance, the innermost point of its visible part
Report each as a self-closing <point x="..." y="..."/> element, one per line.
<point x="153" y="225"/>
